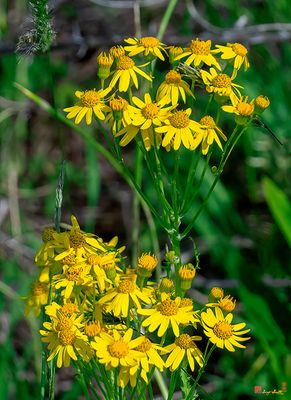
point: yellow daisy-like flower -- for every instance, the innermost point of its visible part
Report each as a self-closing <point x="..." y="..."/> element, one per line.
<point x="173" y="88"/>
<point x="183" y="347"/>
<point x="241" y="108"/>
<point x="261" y="102"/>
<point x="179" y="128"/>
<point x="148" y="45"/>
<point x="66" y="309"/>
<point x="118" y="115"/>
<point x="145" y="117"/>
<point x="165" y="313"/>
<point x="166" y="286"/>
<point x="220" y="84"/>
<point x="117" y="350"/>
<point x="216" y="293"/>
<point x="116" y="51"/>
<point x="174" y="51"/>
<point x="125" y="296"/>
<point x="209" y="132"/>
<point x="235" y="52"/>
<point x="90" y="101"/>
<point x="126" y="73"/>
<point x="38" y="297"/>
<point x="104" y="62"/>
<point x="65" y="340"/>
<point x="144" y="364"/>
<point x="220" y="331"/>
<point x="186" y="273"/>
<point x="73" y="277"/>
<point x="199" y="52"/>
<point x="146" y="263"/>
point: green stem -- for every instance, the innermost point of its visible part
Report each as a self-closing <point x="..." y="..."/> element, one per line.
<point x="191" y="175"/>
<point x="136" y="206"/>
<point x="173" y="383"/>
<point x="166" y="18"/>
<point x="161" y="383"/>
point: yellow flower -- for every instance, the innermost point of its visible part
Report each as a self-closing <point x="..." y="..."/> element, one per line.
<point x="183" y="347"/>
<point x="165" y="313"/>
<point x="116" y="51"/>
<point x="235" y="52"/>
<point x="220" y="331"/>
<point x="166" y="285"/>
<point x="37" y="298"/>
<point x="241" y="108"/>
<point x="126" y="74"/>
<point x="174" y="87"/>
<point x="186" y="273"/>
<point x="209" y="132"/>
<point x="73" y="277"/>
<point x="147" y="45"/>
<point x="124" y="297"/>
<point x="90" y="101"/>
<point x="174" y="51"/>
<point x="51" y="241"/>
<point x="220" y="84"/>
<point x="118" y="115"/>
<point x="117" y="350"/>
<point x="146" y="116"/>
<point x="65" y="340"/>
<point x="261" y="103"/>
<point x="101" y="262"/>
<point x="66" y="309"/>
<point x="104" y="62"/>
<point x="216" y="293"/>
<point x="146" y="263"/>
<point x="180" y="128"/>
<point x="199" y="52"/>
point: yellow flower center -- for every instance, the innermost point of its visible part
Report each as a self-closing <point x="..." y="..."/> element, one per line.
<point x="175" y="50"/>
<point x="126" y="286"/>
<point x="187" y="272"/>
<point x="262" y="102"/>
<point x="147" y="261"/>
<point x="90" y="98"/>
<point x="73" y="274"/>
<point x="77" y="239"/>
<point x="208" y="121"/>
<point x="227" y="304"/>
<point x="221" y="81"/>
<point x="239" y="49"/>
<point x="39" y="288"/>
<point x="69" y="259"/>
<point x="117" y="51"/>
<point x="145" y="346"/>
<point x="94" y="259"/>
<point x="150" y="111"/>
<point x="93" y="328"/>
<point x="69" y="308"/>
<point x="124" y="62"/>
<point x="222" y="330"/>
<point x="48" y="234"/>
<point x="173" y="77"/>
<point x="105" y="60"/>
<point x="166" y="285"/>
<point x="179" y="119"/>
<point x="184" y="341"/>
<point x="118" y="104"/>
<point x="186" y="302"/>
<point x="67" y="337"/>
<point x="64" y="324"/>
<point x="200" y="47"/>
<point x="118" y="349"/>
<point x="217" y="292"/>
<point x="245" y="109"/>
<point x="149" y="41"/>
<point x="168" y="307"/>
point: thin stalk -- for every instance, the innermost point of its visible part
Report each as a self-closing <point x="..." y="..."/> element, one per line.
<point x="173" y="383"/>
<point x="82" y="381"/>
<point x="191" y="175"/>
<point x="166" y="18"/>
<point x="136" y="206"/>
<point x="161" y="383"/>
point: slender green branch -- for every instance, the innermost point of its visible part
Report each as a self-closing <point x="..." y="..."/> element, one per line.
<point x="136" y="205"/>
<point x="166" y="18"/>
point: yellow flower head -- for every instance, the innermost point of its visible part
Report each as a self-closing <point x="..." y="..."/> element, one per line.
<point x="235" y="52"/>
<point x="173" y="88"/>
<point x="38" y="297"/>
<point x="166" y="285"/>
<point x="220" y="331"/>
<point x="126" y="73"/>
<point x="165" y="313"/>
<point x="183" y="347"/>
<point x="118" y="115"/>
<point x="199" y="52"/>
<point x="227" y="303"/>
<point x="209" y="132"/>
<point x="116" y="51"/>
<point x="93" y="328"/>
<point x="174" y="51"/>
<point x="145" y="116"/>
<point x="104" y="62"/>
<point x="149" y="46"/>
<point x="216" y="293"/>
<point x="146" y="263"/>
<point x="179" y="128"/>
<point x="242" y="108"/>
<point x="116" y="349"/>
<point x="187" y="273"/>
<point x="220" y="84"/>
<point x="261" y="103"/>
<point x="90" y="101"/>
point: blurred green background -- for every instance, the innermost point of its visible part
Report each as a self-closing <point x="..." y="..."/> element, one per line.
<point x="244" y="234"/>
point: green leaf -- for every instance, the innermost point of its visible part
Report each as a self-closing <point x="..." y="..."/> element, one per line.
<point x="280" y="207"/>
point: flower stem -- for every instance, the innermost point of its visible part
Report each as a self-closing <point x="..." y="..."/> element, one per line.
<point x="136" y="206"/>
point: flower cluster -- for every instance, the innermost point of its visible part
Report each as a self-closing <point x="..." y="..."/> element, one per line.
<point x="182" y="110"/>
<point x="102" y="311"/>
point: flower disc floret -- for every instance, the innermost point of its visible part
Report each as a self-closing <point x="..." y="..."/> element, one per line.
<point x="223" y="330"/>
<point x="184" y="341"/>
<point x="179" y="119"/>
<point x="150" y="46"/>
<point x="239" y="49"/>
<point x="199" y="52"/>
<point x="126" y="286"/>
<point x="208" y="121"/>
<point x="150" y="111"/>
<point x="149" y="41"/>
<point x="125" y="63"/>
<point x="118" y="349"/>
<point x="67" y="337"/>
<point x="48" y="234"/>
<point x="173" y="77"/>
<point x="168" y="307"/>
<point x="221" y="81"/>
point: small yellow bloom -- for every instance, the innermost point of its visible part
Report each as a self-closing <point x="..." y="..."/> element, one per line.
<point x="199" y="52"/>
<point x="166" y="285"/>
<point x="220" y="84"/>
<point x="227" y="303"/>
<point x="149" y="46"/>
<point x="261" y="103"/>
<point x="173" y="88"/>
<point x="183" y="347"/>
<point x="220" y="331"/>
<point x="235" y="52"/>
<point x="209" y="132"/>
<point x="116" y="51"/>
<point x="37" y="298"/>
<point x="174" y="51"/>
<point x="126" y="73"/>
<point x="118" y="115"/>
<point x="146" y="263"/>
<point x="241" y="108"/>
<point x="179" y="128"/>
<point x="216" y="293"/>
<point x="104" y="62"/>
<point x="90" y="101"/>
<point x="186" y="273"/>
